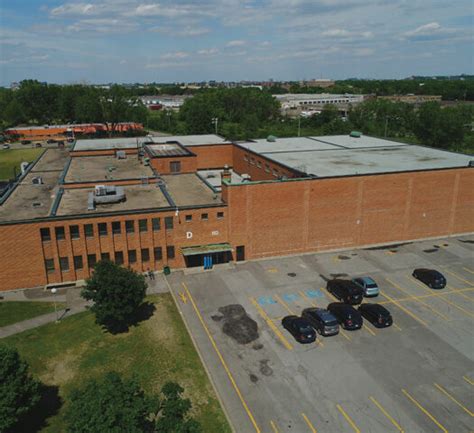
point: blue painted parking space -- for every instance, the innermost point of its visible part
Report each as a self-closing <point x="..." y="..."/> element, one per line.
<point x="266" y="300"/>
<point x="290" y="297"/>
<point x="314" y="294"/>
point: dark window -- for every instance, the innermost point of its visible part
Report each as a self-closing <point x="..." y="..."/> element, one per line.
<point x="168" y="223"/>
<point x="59" y="231"/>
<point x="116" y="228"/>
<point x="175" y="166"/>
<point x="104" y="256"/>
<point x="119" y="257"/>
<point x="91" y="260"/>
<point x="45" y="234"/>
<point x="132" y="256"/>
<point x="89" y="230"/>
<point x="189" y="218"/>
<point x="246" y="157"/>
<point x="102" y="229"/>
<point x="74" y="231"/>
<point x="78" y="262"/>
<point x="240" y="253"/>
<point x="155" y="224"/>
<point x="130" y="226"/>
<point x="267" y="168"/>
<point x="142" y="226"/>
<point x="49" y="264"/>
<point x="63" y="264"/>
<point x="170" y="252"/>
<point x="145" y="255"/>
<point x="204" y="216"/>
<point x="158" y="253"/>
<point x="259" y="164"/>
<point x="252" y="160"/>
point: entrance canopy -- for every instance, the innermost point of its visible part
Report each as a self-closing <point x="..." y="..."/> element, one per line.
<point x="206" y="249"/>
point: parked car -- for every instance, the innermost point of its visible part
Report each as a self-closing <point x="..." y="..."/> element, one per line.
<point x="345" y="290"/>
<point x="368" y="285"/>
<point x="347" y="316"/>
<point x="51" y="141"/>
<point x="25" y="141"/>
<point x="6" y="146"/>
<point x="430" y="277"/>
<point x="322" y="321"/>
<point x="379" y="316"/>
<point x="300" y="328"/>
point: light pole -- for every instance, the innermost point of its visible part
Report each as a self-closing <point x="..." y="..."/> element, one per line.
<point x="299" y="125"/>
<point x="215" y="120"/>
<point x="54" y="291"/>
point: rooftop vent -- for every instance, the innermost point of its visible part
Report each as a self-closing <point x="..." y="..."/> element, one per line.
<point x="36" y="204"/>
<point x="23" y="166"/>
<point x="37" y="180"/>
<point x="121" y="154"/>
<point x="355" y="134"/>
<point x="271" y="139"/>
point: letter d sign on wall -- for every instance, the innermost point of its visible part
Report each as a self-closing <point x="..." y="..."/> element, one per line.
<point x="189" y="235"/>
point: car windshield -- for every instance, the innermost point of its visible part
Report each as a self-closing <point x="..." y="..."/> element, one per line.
<point x="305" y="328"/>
<point x="371" y="286"/>
<point x="331" y="323"/>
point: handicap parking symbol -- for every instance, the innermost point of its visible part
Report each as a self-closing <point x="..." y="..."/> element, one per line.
<point x="314" y="294"/>
<point x="266" y="300"/>
<point x="290" y="297"/>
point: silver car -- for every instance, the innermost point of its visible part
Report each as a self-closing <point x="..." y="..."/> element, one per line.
<point x="368" y="285"/>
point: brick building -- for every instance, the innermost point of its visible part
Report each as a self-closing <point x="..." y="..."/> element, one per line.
<point x="183" y="201"/>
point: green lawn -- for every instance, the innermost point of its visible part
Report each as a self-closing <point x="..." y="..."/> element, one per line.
<point x="16" y="311"/>
<point x="157" y="350"/>
<point x="10" y="158"/>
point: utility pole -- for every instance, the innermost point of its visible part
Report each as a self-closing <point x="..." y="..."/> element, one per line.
<point x="386" y="126"/>
<point x="299" y="125"/>
<point x="215" y="120"/>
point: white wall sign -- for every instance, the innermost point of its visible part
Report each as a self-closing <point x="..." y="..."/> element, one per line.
<point x="189" y="235"/>
<point x="215" y="233"/>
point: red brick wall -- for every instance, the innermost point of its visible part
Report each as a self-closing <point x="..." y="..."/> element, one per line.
<point x="213" y="156"/>
<point x="280" y="218"/>
<point x="162" y="165"/>
<point x="257" y="166"/>
<point x="22" y="253"/>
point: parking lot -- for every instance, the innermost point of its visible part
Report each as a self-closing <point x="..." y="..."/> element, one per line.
<point x="415" y="376"/>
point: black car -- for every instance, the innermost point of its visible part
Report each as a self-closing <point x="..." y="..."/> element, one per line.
<point x="430" y="277"/>
<point x="321" y="320"/>
<point x="348" y="317"/>
<point x="299" y="328"/>
<point x="346" y="291"/>
<point x="379" y="316"/>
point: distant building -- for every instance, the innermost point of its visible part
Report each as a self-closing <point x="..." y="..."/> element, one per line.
<point x="412" y="99"/>
<point x="322" y="82"/>
<point x="167" y="102"/>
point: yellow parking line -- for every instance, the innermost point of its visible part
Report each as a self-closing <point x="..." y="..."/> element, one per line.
<point x="443" y="316"/>
<point x="419" y="406"/>
<point x="348" y="418"/>
<point x="271" y="324"/>
<point x="433" y="295"/>
<point x="458" y="277"/>
<point x="396" y="326"/>
<point x="329" y="296"/>
<point x="364" y="326"/>
<point x="306" y="298"/>
<point x="470" y="381"/>
<point x="412" y="315"/>
<point x="395" y="423"/>
<point x="468" y="270"/>
<point x="453" y="291"/>
<point x="444" y="299"/>
<point x="274" y="427"/>
<point x="453" y="399"/>
<point x="285" y="305"/>
<point x="311" y="427"/>
<point x="221" y="358"/>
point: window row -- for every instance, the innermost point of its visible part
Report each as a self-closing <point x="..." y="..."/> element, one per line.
<point x="103" y="229"/>
<point x="258" y="163"/>
<point x="78" y="261"/>
<point x="204" y="217"/>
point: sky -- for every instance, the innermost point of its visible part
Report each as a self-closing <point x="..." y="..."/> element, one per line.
<point x="127" y="41"/>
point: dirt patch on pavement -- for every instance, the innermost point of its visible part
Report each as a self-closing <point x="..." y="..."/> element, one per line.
<point x="237" y="324"/>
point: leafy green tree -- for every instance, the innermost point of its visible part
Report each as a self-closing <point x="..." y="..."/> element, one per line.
<point x="117" y="294"/>
<point x="174" y="412"/>
<point x="110" y="404"/>
<point x="14" y="114"/>
<point x="115" y="108"/>
<point x="87" y="107"/>
<point x="19" y="392"/>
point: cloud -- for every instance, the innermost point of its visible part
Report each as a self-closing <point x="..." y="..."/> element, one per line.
<point x="73" y="9"/>
<point x="346" y="34"/>
<point x="236" y="43"/>
<point x="176" y="55"/>
<point x="427" y="32"/>
<point x="208" y="52"/>
<point x="182" y="32"/>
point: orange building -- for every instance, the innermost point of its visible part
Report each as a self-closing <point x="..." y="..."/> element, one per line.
<point x="183" y="201"/>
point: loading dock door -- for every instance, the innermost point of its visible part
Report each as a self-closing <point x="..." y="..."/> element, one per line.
<point x="207" y="255"/>
<point x="240" y="253"/>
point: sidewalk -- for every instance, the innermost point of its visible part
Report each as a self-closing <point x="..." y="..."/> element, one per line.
<point x="71" y="296"/>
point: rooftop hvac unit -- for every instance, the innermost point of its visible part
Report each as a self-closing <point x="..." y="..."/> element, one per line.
<point x="37" y="180"/>
<point x="246" y="177"/>
<point x="121" y="154"/>
<point x="23" y="166"/>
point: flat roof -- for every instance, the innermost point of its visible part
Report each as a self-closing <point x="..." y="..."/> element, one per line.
<point x="166" y="150"/>
<point x="100" y="168"/>
<point x="191" y="140"/>
<point x="139" y="197"/>
<point x="190" y="190"/>
<point x="213" y="177"/>
<point x="341" y="155"/>
<point x="110" y="143"/>
<point x="28" y="200"/>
